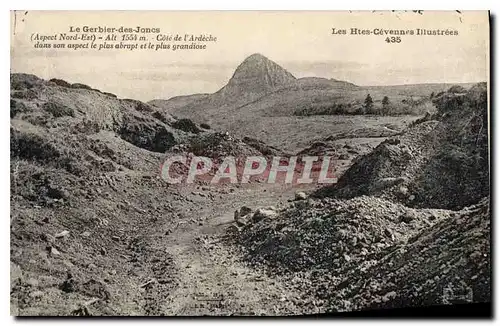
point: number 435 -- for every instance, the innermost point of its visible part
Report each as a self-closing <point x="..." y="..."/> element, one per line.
<point x="393" y="39"/>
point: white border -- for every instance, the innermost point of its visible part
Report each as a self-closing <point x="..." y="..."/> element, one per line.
<point x="196" y="5"/>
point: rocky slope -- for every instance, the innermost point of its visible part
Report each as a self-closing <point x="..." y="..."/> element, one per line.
<point x="95" y="231"/>
<point x="369" y="253"/>
<point x="87" y="202"/>
<point x="403" y="227"/>
<point x="440" y="163"/>
<point x="446" y="263"/>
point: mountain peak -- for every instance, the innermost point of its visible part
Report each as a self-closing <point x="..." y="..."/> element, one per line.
<point x="256" y="57"/>
<point x="257" y="75"/>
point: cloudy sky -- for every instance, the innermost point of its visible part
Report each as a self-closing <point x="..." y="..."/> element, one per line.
<point x="301" y="42"/>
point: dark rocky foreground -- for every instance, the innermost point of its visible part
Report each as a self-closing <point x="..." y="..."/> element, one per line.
<point x="369" y="253"/>
<point x="95" y="231"/>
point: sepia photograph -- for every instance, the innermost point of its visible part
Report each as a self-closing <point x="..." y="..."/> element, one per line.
<point x="250" y="163"/>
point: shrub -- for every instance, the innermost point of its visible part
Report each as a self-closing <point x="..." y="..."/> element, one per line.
<point x="109" y="94"/>
<point x="58" y="110"/>
<point x="457" y="89"/>
<point x="186" y="125"/>
<point x="16" y="107"/>
<point x="448" y="102"/>
<point x="160" y="116"/>
<point x="24" y="81"/>
<point x="139" y="106"/>
<point x="60" y="82"/>
<point x="25" y="94"/>
<point x="81" y="86"/>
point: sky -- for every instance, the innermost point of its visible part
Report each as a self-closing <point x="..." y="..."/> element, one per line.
<point x="301" y="42"/>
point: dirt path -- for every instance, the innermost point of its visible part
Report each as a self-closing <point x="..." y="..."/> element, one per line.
<point x="211" y="280"/>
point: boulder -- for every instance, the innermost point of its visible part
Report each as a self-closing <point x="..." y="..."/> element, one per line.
<point x="242" y="215"/>
<point x="300" y="195"/>
<point x="244" y="210"/>
<point x="407" y="217"/>
<point x="263" y="213"/>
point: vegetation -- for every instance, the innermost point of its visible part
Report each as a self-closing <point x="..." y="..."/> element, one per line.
<point x="369" y="105"/>
<point x="58" y="110"/>
<point x="186" y="125"/>
<point x="407" y="106"/>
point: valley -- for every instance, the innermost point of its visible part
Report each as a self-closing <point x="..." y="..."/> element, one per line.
<point x="96" y="231"/>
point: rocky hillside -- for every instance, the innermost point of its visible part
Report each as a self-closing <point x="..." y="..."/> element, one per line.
<point x="408" y="224"/>
<point x="441" y="161"/>
<point x="87" y="201"/>
<point x="46" y="107"/>
<point x="95" y="231"/>
<point x="370" y="253"/>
